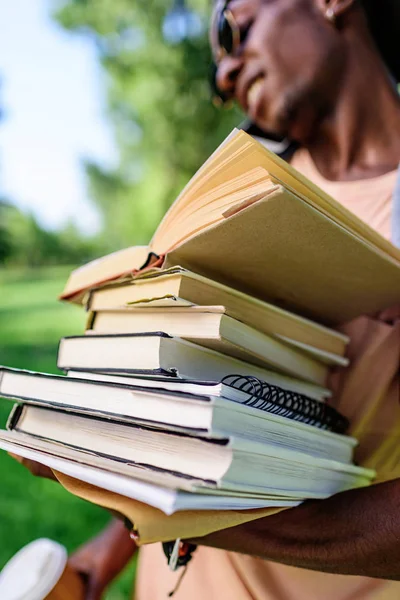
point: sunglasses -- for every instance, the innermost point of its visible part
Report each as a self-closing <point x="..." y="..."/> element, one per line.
<point x="227" y="32"/>
<point x="228" y="39"/>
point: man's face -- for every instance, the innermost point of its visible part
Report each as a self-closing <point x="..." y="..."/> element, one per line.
<point x="287" y="71"/>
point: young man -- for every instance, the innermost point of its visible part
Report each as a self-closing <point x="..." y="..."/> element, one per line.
<point x="309" y="71"/>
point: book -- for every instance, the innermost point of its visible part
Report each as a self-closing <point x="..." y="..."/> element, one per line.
<point x="322" y="276"/>
<point x="213" y="329"/>
<point x="217" y="189"/>
<point x="199" y="387"/>
<point x="178" y="287"/>
<point x="144" y="473"/>
<point x="250" y="221"/>
<point x="227" y="462"/>
<point x="102" y="270"/>
<point x="158" y="353"/>
<point x="209" y="326"/>
<point x="187" y="386"/>
<point x="248" y="410"/>
<point x="164" y="491"/>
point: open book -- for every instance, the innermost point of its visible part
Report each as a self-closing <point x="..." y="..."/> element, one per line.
<point x="248" y="220"/>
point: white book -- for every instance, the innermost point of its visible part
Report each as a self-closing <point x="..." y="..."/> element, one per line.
<point x="167" y="500"/>
<point x="210" y="327"/>
<point x="158" y="353"/>
<point x="182" y="289"/>
<point x="202" y="413"/>
<point x="226" y="462"/>
<point x="172" y="384"/>
<point x="199" y="386"/>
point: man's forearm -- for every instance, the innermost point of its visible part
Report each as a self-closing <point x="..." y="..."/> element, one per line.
<point x="353" y="533"/>
<point x="119" y="545"/>
<point x="101" y="559"/>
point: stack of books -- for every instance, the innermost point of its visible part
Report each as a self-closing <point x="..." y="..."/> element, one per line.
<point x="200" y="382"/>
<point x="237" y="444"/>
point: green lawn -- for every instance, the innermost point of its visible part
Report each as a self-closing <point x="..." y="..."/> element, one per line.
<point x="31" y="323"/>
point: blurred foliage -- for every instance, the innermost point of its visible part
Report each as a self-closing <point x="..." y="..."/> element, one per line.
<point x="165" y="127"/>
<point x="31" y="323"/>
<point x="6" y="245"/>
<point x="160" y="108"/>
<point x="23" y="242"/>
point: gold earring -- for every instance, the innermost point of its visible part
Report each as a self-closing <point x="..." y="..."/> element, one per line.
<point x="330" y="15"/>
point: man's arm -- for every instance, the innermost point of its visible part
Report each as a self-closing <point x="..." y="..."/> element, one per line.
<point x="101" y="559"/>
<point x="352" y="533"/>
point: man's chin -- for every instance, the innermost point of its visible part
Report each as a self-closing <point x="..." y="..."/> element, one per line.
<point x="274" y="130"/>
<point x="296" y="125"/>
<point x="299" y="131"/>
<point x="302" y="124"/>
<point x="289" y="119"/>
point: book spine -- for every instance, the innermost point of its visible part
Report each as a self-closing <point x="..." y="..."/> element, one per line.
<point x="14" y="417"/>
<point x="90" y="320"/>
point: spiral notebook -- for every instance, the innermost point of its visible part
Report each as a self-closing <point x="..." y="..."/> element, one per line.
<point x="247" y="390"/>
<point x="255" y="410"/>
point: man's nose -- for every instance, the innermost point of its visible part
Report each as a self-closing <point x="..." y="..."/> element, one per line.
<point x="227" y="73"/>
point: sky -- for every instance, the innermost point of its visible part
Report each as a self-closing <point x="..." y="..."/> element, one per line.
<point x="53" y="97"/>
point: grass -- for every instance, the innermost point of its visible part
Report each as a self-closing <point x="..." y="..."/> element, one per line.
<point x="31" y="323"/>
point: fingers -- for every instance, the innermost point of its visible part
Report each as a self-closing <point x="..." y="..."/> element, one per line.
<point x="93" y="588"/>
<point x="85" y="569"/>
<point x="35" y="468"/>
<point x="75" y="563"/>
<point x="15" y="457"/>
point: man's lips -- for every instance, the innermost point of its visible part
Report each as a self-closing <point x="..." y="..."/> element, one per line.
<point x="253" y="96"/>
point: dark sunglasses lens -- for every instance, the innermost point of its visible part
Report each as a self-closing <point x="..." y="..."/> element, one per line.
<point x="225" y="34"/>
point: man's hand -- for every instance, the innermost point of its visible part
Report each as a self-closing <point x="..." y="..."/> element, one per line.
<point x="352" y="533"/>
<point x="35" y="468"/>
<point x="101" y="559"/>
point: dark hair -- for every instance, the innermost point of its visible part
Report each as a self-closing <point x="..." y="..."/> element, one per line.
<point x="384" y="22"/>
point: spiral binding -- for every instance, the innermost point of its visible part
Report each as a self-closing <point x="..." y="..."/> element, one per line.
<point x="285" y="403"/>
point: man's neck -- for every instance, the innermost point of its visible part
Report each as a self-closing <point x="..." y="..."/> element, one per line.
<point x="361" y="138"/>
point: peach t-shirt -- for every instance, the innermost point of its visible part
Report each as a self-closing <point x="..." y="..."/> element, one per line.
<point x="368" y="393"/>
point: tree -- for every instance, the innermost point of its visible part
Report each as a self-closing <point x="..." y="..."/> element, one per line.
<point x="159" y="104"/>
<point x="23" y="242"/>
<point x="6" y="246"/>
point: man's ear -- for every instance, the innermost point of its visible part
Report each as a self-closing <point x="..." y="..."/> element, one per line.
<point x="333" y="9"/>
